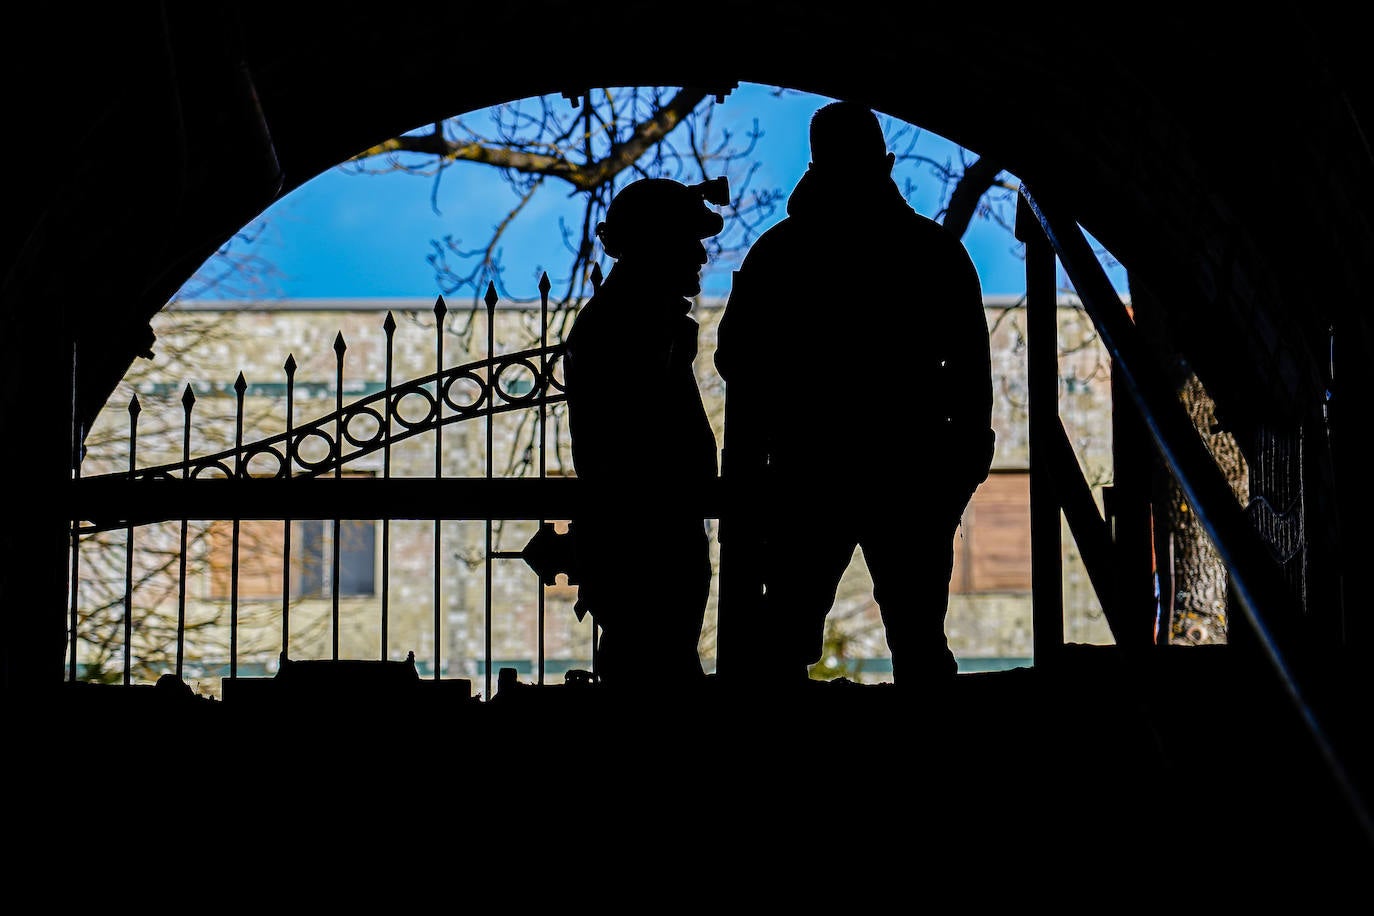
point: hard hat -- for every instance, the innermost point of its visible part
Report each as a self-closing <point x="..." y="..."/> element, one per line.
<point x="653" y="209"/>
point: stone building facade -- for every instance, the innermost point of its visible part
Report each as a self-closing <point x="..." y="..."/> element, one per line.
<point x="448" y="623"/>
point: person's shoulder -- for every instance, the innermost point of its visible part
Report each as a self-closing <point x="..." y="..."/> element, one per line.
<point x="778" y="246"/>
<point x="585" y="323"/>
<point x="919" y="222"/>
<point x="933" y="234"/>
<point x="775" y="235"/>
<point x="586" y="312"/>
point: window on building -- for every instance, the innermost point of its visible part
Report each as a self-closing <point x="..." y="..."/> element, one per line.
<point x="312" y="576"/>
<point x="262" y="547"/>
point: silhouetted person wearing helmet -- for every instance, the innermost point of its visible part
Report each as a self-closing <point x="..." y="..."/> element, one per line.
<point x="855" y="353"/>
<point x="641" y="437"/>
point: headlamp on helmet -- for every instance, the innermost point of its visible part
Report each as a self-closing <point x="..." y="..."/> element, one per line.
<point x="652" y="211"/>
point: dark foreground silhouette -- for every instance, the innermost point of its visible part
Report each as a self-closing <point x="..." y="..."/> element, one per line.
<point x="880" y="446"/>
<point x="640" y="432"/>
<point x="1074" y="767"/>
<point x="1058" y="767"/>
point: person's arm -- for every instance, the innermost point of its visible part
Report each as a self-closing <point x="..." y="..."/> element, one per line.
<point x="730" y="328"/>
<point x="594" y="372"/>
<point x="740" y="359"/>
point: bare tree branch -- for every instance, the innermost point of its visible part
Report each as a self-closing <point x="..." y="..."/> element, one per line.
<point x="968" y="192"/>
<point x="584" y="176"/>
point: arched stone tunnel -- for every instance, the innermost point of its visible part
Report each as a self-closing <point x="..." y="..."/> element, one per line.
<point x="1225" y="164"/>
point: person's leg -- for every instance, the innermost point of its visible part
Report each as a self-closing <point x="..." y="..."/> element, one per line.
<point x="652" y="593"/>
<point x="613" y="599"/>
<point x="910" y="561"/>
<point x="674" y="622"/>
<point x="608" y="667"/>
<point x="806" y="558"/>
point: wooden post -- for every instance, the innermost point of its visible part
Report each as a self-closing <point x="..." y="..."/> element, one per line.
<point x="1042" y="373"/>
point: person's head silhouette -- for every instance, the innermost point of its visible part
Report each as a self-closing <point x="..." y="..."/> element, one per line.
<point x="656" y="226"/>
<point x="847" y="137"/>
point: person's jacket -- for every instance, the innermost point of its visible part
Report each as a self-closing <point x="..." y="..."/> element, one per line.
<point x="634" y="409"/>
<point x="855" y="343"/>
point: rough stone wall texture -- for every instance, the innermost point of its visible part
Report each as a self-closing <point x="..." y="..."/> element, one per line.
<point x="208" y="349"/>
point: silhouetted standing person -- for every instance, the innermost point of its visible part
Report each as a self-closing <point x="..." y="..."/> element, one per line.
<point x="855" y="353"/>
<point x="640" y="435"/>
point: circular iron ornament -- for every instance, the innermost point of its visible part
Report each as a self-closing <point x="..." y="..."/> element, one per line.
<point x="481" y="382"/>
<point x="309" y="433"/>
<point x="253" y="453"/>
<point x="554" y="372"/>
<point x="205" y="467"/>
<point x="405" y="394"/>
<point x="364" y="413"/>
<point x="466" y="375"/>
<point x="525" y="368"/>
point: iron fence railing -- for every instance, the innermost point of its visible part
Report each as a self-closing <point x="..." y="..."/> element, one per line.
<point x="299" y="474"/>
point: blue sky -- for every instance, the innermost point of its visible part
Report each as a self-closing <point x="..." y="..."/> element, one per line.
<point x="357" y="236"/>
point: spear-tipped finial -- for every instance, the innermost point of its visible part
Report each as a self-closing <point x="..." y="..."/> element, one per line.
<point x="389" y="324"/>
<point x="339" y="345"/>
<point x="240" y="384"/>
<point x="491" y="295"/>
<point x="544" y="284"/>
<point x="440" y="308"/>
<point x="188" y="397"/>
<point x="290" y="364"/>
